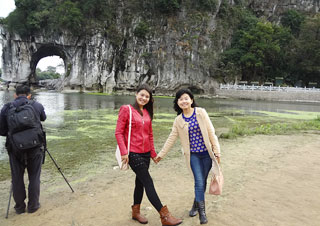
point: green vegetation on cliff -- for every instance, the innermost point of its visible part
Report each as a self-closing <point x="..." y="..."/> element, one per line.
<point x="76" y="16"/>
<point x="260" y="50"/>
<point x="83" y="16"/>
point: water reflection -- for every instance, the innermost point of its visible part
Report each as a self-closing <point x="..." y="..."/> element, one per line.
<point x="55" y="102"/>
<point x="4" y="98"/>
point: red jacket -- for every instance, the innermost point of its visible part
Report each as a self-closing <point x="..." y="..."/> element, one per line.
<point x="141" y="131"/>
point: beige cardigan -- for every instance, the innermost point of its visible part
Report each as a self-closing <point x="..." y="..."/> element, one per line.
<point x="180" y="128"/>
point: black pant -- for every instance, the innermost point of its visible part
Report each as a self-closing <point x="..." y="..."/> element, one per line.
<point x="32" y="160"/>
<point x="139" y="163"/>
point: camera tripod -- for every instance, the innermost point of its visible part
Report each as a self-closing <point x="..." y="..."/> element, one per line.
<point x="59" y="169"/>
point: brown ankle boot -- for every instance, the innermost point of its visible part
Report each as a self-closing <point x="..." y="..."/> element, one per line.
<point x="167" y="219"/>
<point x="137" y="216"/>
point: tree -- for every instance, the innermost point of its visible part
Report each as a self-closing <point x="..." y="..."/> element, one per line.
<point x="70" y="17"/>
<point x="305" y="54"/>
<point x="167" y="6"/>
<point x="141" y="30"/>
<point x="257" y="51"/>
<point x="14" y="22"/>
<point x="49" y="73"/>
<point x="29" y="16"/>
<point x="293" y="20"/>
<point x="209" y="5"/>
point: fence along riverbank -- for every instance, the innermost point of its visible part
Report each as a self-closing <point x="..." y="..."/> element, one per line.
<point x="271" y="93"/>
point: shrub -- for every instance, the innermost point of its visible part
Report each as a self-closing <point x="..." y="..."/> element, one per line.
<point x="141" y="30"/>
<point x="293" y="20"/>
<point x="167" y="6"/>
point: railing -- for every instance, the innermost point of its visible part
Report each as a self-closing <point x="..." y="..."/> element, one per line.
<point x="268" y="88"/>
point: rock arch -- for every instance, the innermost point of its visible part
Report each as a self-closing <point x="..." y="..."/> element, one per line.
<point x="42" y="52"/>
<point x="84" y="69"/>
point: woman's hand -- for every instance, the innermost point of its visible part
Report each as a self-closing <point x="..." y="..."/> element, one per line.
<point x="218" y="159"/>
<point x="156" y="159"/>
<point x="125" y="159"/>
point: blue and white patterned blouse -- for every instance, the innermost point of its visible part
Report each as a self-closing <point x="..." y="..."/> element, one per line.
<point x="195" y="136"/>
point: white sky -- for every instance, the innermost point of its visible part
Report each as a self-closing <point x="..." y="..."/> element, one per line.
<point x="6" y="7"/>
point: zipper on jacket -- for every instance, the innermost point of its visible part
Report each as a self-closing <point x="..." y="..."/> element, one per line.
<point x="142" y="132"/>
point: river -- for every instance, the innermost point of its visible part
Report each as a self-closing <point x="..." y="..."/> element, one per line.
<point x="89" y="120"/>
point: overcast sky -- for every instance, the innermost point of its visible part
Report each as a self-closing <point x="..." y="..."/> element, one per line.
<point x="6" y="7"/>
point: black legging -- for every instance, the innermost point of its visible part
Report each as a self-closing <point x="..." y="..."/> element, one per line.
<point x="139" y="163"/>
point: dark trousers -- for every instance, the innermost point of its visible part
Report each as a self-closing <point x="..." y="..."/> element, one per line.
<point x="32" y="160"/>
<point x="139" y="163"/>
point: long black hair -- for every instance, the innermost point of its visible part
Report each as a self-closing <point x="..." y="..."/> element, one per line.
<point x="149" y="105"/>
<point x="179" y="93"/>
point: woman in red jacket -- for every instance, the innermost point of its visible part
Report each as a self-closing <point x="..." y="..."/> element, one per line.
<point x="141" y="150"/>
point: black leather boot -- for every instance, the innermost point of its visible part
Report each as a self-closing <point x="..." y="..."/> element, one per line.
<point x="202" y="213"/>
<point x="194" y="210"/>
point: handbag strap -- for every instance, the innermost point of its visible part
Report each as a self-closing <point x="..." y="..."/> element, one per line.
<point x="129" y="135"/>
<point x="216" y="168"/>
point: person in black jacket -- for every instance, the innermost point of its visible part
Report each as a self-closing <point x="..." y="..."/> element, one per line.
<point x="20" y="160"/>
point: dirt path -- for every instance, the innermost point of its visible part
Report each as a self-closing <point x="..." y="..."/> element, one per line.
<point x="269" y="180"/>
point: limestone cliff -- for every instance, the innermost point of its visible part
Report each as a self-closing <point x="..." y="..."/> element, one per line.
<point x="181" y="50"/>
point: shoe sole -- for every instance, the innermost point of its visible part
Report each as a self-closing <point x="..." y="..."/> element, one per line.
<point x="139" y="221"/>
<point x="20" y="212"/>
<point x="33" y="211"/>
<point x="172" y="225"/>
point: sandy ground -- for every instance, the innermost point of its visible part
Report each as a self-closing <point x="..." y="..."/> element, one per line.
<point x="269" y="180"/>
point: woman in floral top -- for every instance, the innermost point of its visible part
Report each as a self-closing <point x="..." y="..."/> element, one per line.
<point x="199" y="143"/>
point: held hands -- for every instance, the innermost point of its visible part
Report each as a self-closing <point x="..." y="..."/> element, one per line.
<point x="125" y="159"/>
<point x="156" y="159"/>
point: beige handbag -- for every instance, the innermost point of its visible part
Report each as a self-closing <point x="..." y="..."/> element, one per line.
<point x="124" y="166"/>
<point x="216" y="183"/>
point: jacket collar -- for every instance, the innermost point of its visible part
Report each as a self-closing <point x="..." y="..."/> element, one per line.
<point x="20" y="101"/>
<point x="21" y="98"/>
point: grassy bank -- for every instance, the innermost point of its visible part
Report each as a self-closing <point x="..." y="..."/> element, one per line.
<point x="272" y="123"/>
<point x="83" y="141"/>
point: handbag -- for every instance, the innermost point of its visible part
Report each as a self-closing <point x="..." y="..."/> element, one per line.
<point x="216" y="183"/>
<point x="124" y="166"/>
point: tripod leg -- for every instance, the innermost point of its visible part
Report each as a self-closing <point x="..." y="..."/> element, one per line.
<point x="59" y="170"/>
<point x="9" y="202"/>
